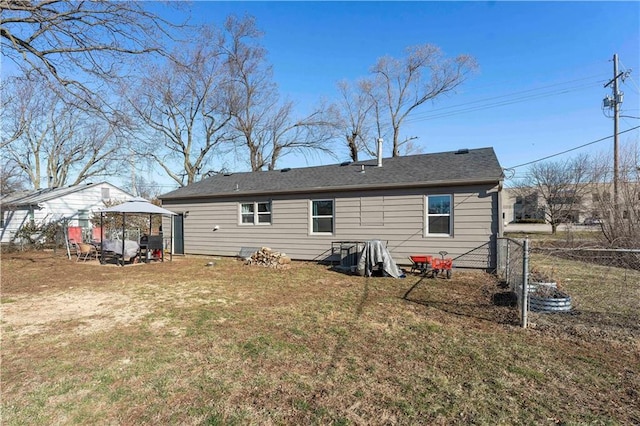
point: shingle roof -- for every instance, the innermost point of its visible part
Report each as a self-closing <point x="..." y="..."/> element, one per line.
<point x="31" y="198"/>
<point x="445" y="168"/>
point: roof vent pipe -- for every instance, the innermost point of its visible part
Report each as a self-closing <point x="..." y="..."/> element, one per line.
<point x="380" y="152"/>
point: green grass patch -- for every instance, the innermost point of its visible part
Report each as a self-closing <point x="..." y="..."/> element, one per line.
<point x="527" y="373"/>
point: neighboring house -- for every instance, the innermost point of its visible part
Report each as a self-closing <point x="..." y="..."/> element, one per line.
<point x="418" y="204"/>
<point x="578" y="208"/>
<point x="521" y="206"/>
<point x="517" y="207"/>
<point x="529" y="206"/>
<point x="73" y="204"/>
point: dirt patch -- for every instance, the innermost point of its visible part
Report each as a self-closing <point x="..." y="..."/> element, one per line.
<point x="83" y="311"/>
<point x="585" y="326"/>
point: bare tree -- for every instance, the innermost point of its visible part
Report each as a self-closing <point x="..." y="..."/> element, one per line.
<point x="146" y="189"/>
<point x="11" y="179"/>
<point x="50" y="140"/>
<point x="560" y="187"/>
<point x="619" y="216"/>
<point x="402" y="85"/>
<point x="180" y="103"/>
<point x="79" y="43"/>
<point x="355" y="116"/>
<point x="250" y="90"/>
<point x="307" y="135"/>
<point x="265" y="125"/>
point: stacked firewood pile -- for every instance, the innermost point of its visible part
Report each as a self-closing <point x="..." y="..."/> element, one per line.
<point x="269" y="259"/>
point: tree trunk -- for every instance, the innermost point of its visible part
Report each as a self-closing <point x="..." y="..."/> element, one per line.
<point x="396" y="145"/>
<point x="353" y="149"/>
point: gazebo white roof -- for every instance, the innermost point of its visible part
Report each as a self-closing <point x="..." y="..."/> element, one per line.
<point x="138" y="205"/>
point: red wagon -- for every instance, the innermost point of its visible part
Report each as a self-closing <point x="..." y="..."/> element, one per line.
<point x="420" y="263"/>
<point x="432" y="266"/>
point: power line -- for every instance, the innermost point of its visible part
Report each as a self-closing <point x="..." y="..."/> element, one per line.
<point x="519" y="92"/>
<point x="572" y="149"/>
<point x="500" y="104"/>
<point x="489" y="102"/>
<point x="628" y="77"/>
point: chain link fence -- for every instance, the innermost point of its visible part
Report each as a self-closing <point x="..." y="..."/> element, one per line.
<point x="478" y="258"/>
<point x="591" y="288"/>
<point x="512" y="269"/>
<point x="603" y="284"/>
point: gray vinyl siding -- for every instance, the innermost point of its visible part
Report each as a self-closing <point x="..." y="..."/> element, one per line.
<point x="399" y="220"/>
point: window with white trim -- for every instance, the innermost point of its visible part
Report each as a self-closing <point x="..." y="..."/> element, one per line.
<point x="256" y="213"/>
<point x="438" y="217"/>
<point x="83" y="218"/>
<point x="322" y="216"/>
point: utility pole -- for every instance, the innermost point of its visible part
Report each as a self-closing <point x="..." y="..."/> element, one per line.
<point x="617" y="99"/>
<point x="614" y="102"/>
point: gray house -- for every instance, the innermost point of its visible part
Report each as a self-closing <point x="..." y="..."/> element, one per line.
<point x="418" y="204"/>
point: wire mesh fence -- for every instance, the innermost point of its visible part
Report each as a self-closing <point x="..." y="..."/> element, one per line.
<point x="594" y="288"/>
<point x="602" y="283"/>
<point x="615" y="257"/>
<point x="478" y="258"/>
<point x="510" y="261"/>
<point x="510" y="268"/>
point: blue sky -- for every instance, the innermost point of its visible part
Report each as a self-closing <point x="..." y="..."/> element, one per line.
<point x="542" y="66"/>
<point x="538" y="90"/>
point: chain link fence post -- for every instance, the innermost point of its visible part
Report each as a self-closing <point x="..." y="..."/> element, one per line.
<point x="524" y="304"/>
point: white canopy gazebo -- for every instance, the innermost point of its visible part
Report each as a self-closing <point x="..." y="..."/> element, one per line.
<point x="134" y="206"/>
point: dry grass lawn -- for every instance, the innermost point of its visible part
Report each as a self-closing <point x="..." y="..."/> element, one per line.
<point x="185" y="343"/>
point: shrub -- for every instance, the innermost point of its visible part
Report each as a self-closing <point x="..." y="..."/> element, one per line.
<point x="530" y="221"/>
<point x="37" y="234"/>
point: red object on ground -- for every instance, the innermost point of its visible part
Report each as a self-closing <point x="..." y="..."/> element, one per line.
<point x="75" y="234"/>
<point x="97" y="234"/>
<point x="422" y="259"/>
<point x="442" y="264"/>
<point x="430" y="265"/>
